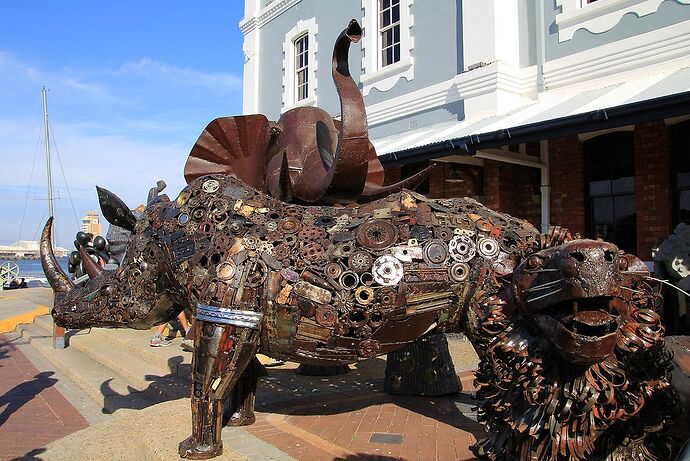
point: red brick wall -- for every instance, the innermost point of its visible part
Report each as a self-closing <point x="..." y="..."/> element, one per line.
<point x="492" y="184"/>
<point x="567" y="164"/>
<point x="510" y="188"/>
<point x="652" y="191"/>
<point x="392" y="175"/>
<point x="440" y="188"/>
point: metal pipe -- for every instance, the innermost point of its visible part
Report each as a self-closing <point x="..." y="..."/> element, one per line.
<point x="545" y="185"/>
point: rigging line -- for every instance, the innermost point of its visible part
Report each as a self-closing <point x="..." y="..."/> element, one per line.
<point x="31" y="176"/>
<point x="64" y="178"/>
<point x="39" y="228"/>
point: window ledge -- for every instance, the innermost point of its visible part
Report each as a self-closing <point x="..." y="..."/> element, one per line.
<point x="310" y="101"/>
<point x="384" y="79"/>
<point x="600" y="16"/>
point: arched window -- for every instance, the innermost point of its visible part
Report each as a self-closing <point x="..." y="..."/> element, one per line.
<point x="610" y="183"/>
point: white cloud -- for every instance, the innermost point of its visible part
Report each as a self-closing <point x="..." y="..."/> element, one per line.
<point x="158" y="70"/>
<point x="111" y="129"/>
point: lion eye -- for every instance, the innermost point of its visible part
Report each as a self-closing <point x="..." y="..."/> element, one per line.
<point x="623" y="263"/>
<point x="534" y="262"/>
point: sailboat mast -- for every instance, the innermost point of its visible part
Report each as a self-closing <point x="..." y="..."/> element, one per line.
<point x="47" y="148"/>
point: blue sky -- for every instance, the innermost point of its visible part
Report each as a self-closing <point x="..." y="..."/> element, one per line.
<point x="132" y="85"/>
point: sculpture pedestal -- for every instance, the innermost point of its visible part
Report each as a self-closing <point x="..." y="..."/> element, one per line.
<point x="423" y="367"/>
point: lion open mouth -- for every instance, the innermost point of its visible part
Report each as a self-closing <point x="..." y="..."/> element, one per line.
<point x="592" y="317"/>
<point x="583" y="330"/>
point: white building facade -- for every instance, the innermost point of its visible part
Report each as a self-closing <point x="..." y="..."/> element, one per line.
<point x="563" y="111"/>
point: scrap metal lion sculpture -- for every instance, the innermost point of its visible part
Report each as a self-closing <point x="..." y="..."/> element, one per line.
<point x="572" y="361"/>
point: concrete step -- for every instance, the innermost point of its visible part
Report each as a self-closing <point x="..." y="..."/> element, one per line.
<point x="112" y="378"/>
<point x="129" y="354"/>
<point x="137" y="343"/>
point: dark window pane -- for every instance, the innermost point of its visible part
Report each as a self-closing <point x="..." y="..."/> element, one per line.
<point x="396" y="34"/>
<point x="386" y="39"/>
<point x="684" y="206"/>
<point x="603" y="231"/>
<point x="622" y="185"/>
<point x="396" y="53"/>
<point x="683" y="180"/>
<point x="624" y="207"/>
<point x="599" y="187"/>
<point x="305" y="59"/>
<point x="385" y="4"/>
<point x="602" y="210"/>
<point x="389" y="56"/>
<point x="385" y="18"/>
<point x="396" y="13"/>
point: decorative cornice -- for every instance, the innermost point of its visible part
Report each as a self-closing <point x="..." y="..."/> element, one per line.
<point x="267" y="14"/>
<point x="656" y="48"/>
<point x="495" y="77"/>
<point x="600" y="16"/>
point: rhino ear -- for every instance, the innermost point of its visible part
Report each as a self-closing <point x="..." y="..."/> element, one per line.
<point x="115" y="211"/>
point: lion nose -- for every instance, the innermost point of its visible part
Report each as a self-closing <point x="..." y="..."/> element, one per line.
<point x="589" y="258"/>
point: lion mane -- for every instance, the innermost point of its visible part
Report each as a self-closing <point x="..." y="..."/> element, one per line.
<point x="534" y="405"/>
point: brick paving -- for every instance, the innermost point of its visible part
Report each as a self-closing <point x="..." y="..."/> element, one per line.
<point x="32" y="412"/>
<point x="356" y="421"/>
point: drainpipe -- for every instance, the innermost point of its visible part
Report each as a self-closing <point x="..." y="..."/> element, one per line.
<point x="545" y="187"/>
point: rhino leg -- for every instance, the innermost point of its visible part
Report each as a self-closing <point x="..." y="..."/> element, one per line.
<point x="222" y="353"/>
<point x="240" y="408"/>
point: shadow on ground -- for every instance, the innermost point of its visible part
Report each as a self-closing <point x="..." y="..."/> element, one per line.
<point x="285" y="392"/>
<point x="172" y="386"/>
<point x="31" y="456"/>
<point x="22" y="393"/>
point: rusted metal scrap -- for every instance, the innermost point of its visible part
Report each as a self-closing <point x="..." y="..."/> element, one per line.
<point x="572" y="360"/>
<point x="352" y="287"/>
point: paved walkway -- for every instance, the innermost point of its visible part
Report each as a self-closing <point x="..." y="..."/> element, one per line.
<point x="32" y="412"/>
<point x="362" y="422"/>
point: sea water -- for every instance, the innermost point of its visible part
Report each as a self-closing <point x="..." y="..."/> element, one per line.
<point x="32" y="267"/>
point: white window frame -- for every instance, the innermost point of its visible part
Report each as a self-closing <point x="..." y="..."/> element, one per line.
<point x="390" y="26"/>
<point x="599" y="16"/>
<point x="303" y="27"/>
<point x="304" y="38"/>
<point x="374" y="75"/>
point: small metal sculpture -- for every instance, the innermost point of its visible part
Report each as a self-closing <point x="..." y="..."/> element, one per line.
<point x="571" y="349"/>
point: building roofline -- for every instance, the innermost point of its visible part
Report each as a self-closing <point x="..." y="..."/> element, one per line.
<point x="600" y="119"/>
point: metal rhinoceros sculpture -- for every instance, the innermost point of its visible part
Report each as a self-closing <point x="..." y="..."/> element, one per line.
<point x="332" y="285"/>
<point x="572" y="362"/>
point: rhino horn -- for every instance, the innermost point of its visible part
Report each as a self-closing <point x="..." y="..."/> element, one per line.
<point x="92" y="269"/>
<point x="57" y="278"/>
